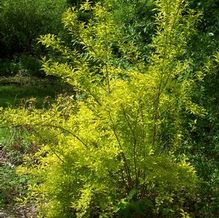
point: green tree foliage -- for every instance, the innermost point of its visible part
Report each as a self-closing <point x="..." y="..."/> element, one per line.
<point x="113" y="149"/>
<point x="136" y="20"/>
<point x="22" y="21"/>
<point x="204" y="151"/>
<point x="204" y="137"/>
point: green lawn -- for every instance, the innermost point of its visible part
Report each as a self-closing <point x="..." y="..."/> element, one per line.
<point x="14" y="94"/>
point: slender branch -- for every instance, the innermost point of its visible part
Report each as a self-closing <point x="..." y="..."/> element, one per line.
<point x="64" y="130"/>
<point x="162" y="83"/>
<point x="134" y="141"/>
<point x="122" y="152"/>
<point x="50" y="125"/>
<point x="51" y="147"/>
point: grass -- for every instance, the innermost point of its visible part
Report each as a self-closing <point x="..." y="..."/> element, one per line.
<point x="4" y="135"/>
<point x="12" y="94"/>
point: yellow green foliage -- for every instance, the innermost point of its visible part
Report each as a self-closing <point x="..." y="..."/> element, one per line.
<point x="113" y="144"/>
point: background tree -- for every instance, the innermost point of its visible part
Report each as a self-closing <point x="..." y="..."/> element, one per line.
<point x="23" y="21"/>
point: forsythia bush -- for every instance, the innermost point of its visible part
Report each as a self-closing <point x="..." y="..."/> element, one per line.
<point x="111" y="149"/>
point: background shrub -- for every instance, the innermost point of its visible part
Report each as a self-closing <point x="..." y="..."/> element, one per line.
<point x="22" y="21"/>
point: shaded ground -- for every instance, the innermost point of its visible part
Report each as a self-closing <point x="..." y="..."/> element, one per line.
<point x="8" y="208"/>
